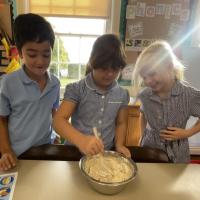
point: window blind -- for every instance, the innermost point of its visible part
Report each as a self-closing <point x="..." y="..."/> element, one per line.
<point x="75" y="8"/>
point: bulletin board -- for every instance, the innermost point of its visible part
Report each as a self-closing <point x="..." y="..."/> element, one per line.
<point x="150" y="20"/>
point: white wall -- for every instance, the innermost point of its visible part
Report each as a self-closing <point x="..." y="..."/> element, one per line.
<point x="191" y="58"/>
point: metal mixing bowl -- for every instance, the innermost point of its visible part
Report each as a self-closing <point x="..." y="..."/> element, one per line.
<point x="109" y="188"/>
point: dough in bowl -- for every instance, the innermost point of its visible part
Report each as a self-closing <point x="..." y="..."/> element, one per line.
<point x="108" y="168"/>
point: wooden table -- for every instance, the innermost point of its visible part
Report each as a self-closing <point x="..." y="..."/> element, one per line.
<point x="61" y="180"/>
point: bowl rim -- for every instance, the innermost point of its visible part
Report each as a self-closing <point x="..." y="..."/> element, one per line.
<point x="110" y="183"/>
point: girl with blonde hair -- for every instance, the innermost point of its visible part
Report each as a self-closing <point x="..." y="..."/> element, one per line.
<point x="167" y="101"/>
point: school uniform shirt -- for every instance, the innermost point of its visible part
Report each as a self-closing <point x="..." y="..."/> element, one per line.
<point x="183" y="102"/>
<point x="28" y="109"/>
<point x="96" y="109"/>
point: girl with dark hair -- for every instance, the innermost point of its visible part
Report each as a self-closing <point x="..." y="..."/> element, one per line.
<point x="96" y="101"/>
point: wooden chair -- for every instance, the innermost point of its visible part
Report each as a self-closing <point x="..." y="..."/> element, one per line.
<point x="133" y="126"/>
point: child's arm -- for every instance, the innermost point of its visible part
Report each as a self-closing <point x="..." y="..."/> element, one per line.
<point x="174" y="133"/>
<point x="8" y="158"/>
<point x="121" y="131"/>
<point x="87" y="144"/>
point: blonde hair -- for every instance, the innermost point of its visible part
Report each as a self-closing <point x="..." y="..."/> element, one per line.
<point x="158" y="54"/>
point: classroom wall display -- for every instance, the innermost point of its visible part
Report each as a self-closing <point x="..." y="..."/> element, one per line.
<point x="125" y="78"/>
<point x="6" y="16"/>
<point x="4" y="61"/>
<point x="6" y="33"/>
<point x="150" y="20"/>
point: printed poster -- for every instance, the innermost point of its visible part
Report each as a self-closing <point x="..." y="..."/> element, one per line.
<point x="137" y="44"/>
<point x="135" y="29"/>
<point x="126" y="76"/>
<point x="7" y="185"/>
<point x="130" y="12"/>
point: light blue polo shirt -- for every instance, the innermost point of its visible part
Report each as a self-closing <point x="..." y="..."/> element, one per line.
<point x="95" y="108"/>
<point x="29" y="110"/>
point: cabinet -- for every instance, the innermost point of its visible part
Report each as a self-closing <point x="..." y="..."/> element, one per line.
<point x="133" y="131"/>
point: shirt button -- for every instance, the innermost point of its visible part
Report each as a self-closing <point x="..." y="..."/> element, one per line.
<point x="102" y="109"/>
<point x="100" y="121"/>
<point x="103" y="97"/>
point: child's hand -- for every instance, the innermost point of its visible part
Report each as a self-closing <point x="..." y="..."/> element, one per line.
<point x="174" y="133"/>
<point x="90" y="145"/>
<point x="124" y="150"/>
<point x="8" y="160"/>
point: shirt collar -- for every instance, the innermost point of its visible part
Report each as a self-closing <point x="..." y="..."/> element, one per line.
<point x="27" y="80"/>
<point x="176" y="90"/>
<point x="89" y="81"/>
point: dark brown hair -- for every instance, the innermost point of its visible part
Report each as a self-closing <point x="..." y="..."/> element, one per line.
<point x="32" y="27"/>
<point x="107" y="52"/>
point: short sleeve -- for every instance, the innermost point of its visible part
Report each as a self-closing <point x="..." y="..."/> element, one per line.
<point x="5" y="108"/>
<point x="126" y="98"/>
<point x="72" y="92"/>
<point x="56" y="104"/>
<point x="195" y="103"/>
